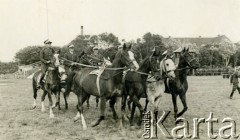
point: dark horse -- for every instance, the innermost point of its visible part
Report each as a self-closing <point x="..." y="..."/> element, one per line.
<point x="135" y="83"/>
<point x="179" y="85"/>
<point x="109" y="85"/>
<point x="52" y="85"/>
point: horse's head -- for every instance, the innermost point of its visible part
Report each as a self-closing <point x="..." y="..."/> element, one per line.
<point x="167" y="67"/>
<point x="55" y="62"/>
<point x="188" y="59"/>
<point x="123" y="57"/>
<point x="155" y="64"/>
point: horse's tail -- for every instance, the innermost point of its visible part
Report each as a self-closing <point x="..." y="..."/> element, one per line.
<point x="35" y="78"/>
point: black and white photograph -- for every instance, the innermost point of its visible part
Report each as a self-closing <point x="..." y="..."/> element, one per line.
<point x="119" y="69"/>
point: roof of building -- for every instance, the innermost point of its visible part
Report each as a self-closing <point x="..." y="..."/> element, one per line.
<point x="201" y="40"/>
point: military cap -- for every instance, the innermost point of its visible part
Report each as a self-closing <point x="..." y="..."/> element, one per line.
<point x="120" y="46"/>
<point x="47" y="42"/>
<point x="71" y="46"/>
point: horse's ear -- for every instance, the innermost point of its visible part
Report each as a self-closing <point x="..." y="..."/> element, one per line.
<point x="82" y="53"/>
<point x="124" y="46"/>
<point x="184" y="49"/>
<point x="130" y="46"/>
<point x="187" y="49"/>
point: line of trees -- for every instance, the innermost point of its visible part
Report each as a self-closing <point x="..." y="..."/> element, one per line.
<point x="9" y="67"/>
<point x="219" y="55"/>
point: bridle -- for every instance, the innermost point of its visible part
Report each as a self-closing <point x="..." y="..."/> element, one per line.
<point x="188" y="62"/>
<point x="165" y="71"/>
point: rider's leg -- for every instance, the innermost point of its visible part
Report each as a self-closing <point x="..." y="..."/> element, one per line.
<point x="233" y="89"/>
<point x="43" y="71"/>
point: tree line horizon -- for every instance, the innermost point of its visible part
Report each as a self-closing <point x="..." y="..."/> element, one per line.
<point x="224" y="54"/>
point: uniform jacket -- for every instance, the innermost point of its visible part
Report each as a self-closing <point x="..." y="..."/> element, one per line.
<point x="96" y="59"/>
<point x="234" y="78"/>
<point x="46" y="54"/>
<point x="71" y="57"/>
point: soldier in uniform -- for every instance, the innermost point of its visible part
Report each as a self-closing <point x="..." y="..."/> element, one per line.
<point x="45" y="56"/>
<point x="96" y="59"/>
<point x="234" y="81"/>
<point x="70" y="57"/>
<point x="70" y="60"/>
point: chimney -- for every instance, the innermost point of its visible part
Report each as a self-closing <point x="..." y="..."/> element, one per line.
<point x="82" y="30"/>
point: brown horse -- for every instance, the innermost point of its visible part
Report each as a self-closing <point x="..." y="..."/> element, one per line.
<point x="136" y="84"/>
<point x="52" y="85"/>
<point x="108" y="87"/>
<point x="179" y="85"/>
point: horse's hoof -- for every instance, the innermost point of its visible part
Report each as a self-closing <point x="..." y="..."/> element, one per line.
<point x="131" y="123"/>
<point x="95" y="124"/>
<point x="51" y="115"/>
<point x="98" y="121"/>
<point x="115" y="117"/>
<point x="137" y="126"/>
<point x="34" y="106"/>
<point x="75" y="119"/>
<point x="66" y="107"/>
<point x="84" y="127"/>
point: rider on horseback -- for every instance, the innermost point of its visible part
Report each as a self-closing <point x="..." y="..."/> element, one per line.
<point x="70" y="60"/>
<point x="96" y="59"/>
<point x="45" y="56"/>
<point x="70" y="57"/>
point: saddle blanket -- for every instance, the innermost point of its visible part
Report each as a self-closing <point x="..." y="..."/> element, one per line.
<point x="95" y="72"/>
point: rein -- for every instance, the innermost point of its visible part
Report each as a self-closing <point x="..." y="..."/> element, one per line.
<point x="185" y="68"/>
<point x="89" y="66"/>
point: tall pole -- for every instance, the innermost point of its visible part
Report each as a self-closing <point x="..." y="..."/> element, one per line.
<point x="47" y="18"/>
<point x="81" y="30"/>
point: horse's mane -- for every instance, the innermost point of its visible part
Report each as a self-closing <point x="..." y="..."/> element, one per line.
<point x="144" y="61"/>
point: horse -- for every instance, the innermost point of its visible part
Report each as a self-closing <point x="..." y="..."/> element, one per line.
<point x="155" y="88"/>
<point x="179" y="85"/>
<point x="109" y="86"/>
<point x="52" y="85"/>
<point x="136" y="83"/>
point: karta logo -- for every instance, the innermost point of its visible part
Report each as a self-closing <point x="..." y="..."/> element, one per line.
<point x="151" y="128"/>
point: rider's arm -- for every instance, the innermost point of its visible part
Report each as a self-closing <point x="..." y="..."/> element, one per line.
<point x="65" y="62"/>
<point x="42" y="55"/>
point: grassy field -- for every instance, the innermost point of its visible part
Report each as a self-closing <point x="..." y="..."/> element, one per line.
<point x="18" y="121"/>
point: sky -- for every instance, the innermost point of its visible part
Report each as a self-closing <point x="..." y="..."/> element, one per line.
<point x="24" y="22"/>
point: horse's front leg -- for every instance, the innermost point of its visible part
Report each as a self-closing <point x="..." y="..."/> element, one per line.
<point x="174" y="100"/>
<point x="65" y="99"/>
<point x="57" y="103"/>
<point x="102" y="111"/>
<point x="136" y="102"/>
<point x="42" y="100"/>
<point x="50" y="105"/>
<point x="112" y="103"/>
<point x="184" y="102"/>
<point x="88" y="98"/>
<point x="58" y="99"/>
<point x="82" y="96"/>
<point x="34" y="96"/>
<point x="146" y="104"/>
